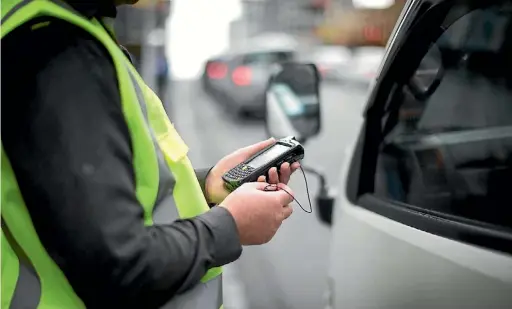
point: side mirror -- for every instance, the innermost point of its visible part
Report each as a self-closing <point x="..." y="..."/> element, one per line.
<point x="428" y="76"/>
<point x="292" y="101"/>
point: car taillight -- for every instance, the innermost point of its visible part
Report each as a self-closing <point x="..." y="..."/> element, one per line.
<point x="321" y="69"/>
<point x="372" y="33"/>
<point x="216" y="70"/>
<point x="242" y="76"/>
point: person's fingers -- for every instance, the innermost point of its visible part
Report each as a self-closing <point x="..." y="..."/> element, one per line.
<point x="254" y="148"/>
<point x="285" y="195"/>
<point x="285" y="173"/>
<point x="285" y="187"/>
<point x="262" y="179"/>
<point x="260" y="185"/>
<point x="273" y="176"/>
<point x="287" y="211"/>
<point x="295" y="166"/>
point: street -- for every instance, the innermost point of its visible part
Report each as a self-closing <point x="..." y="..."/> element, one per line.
<point x="289" y="272"/>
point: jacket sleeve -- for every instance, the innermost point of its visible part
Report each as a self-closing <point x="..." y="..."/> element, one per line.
<point x="201" y="175"/>
<point x="70" y="148"/>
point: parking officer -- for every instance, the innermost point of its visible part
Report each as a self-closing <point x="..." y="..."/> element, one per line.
<point x="101" y="207"/>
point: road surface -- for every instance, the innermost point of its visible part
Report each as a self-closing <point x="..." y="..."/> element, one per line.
<point x="289" y="272"/>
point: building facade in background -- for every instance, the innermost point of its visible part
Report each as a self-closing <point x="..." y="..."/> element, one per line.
<point x="331" y="22"/>
<point x="294" y="17"/>
<point x="358" y="26"/>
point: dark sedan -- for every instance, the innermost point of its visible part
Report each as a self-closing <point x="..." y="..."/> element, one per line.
<point x="238" y="79"/>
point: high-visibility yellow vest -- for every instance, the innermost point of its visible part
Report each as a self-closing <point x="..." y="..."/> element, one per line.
<point x="160" y="162"/>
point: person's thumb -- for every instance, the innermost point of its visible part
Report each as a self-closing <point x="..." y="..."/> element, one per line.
<point x="255" y="148"/>
<point x="285" y="194"/>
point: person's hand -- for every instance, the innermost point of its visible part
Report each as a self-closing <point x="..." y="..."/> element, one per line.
<point x="215" y="189"/>
<point x="258" y="213"/>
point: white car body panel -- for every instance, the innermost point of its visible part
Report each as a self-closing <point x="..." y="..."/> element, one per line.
<point x="376" y="262"/>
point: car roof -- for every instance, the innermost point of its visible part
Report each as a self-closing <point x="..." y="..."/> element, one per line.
<point x="249" y="50"/>
<point x="263" y="43"/>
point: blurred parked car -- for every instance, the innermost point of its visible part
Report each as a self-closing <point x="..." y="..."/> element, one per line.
<point x="343" y="64"/>
<point x="238" y="78"/>
<point x="364" y="64"/>
<point x="331" y="60"/>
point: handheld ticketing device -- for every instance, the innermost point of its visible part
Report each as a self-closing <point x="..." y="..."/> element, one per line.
<point x="284" y="150"/>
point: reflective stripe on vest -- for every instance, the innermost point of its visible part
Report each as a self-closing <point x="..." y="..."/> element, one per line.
<point x="166" y="183"/>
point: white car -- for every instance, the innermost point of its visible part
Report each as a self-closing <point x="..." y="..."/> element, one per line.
<point x="423" y="218"/>
<point x="331" y="60"/>
<point x="339" y="63"/>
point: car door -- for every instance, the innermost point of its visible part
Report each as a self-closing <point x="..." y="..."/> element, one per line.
<point x="425" y="220"/>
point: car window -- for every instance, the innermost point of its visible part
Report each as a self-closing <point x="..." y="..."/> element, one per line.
<point x="267" y="58"/>
<point x="447" y="144"/>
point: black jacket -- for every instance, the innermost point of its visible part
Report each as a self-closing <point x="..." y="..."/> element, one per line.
<point x="62" y="116"/>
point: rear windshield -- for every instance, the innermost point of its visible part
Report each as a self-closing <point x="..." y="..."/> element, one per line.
<point x="267" y="57"/>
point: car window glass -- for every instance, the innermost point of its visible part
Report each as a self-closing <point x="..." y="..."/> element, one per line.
<point x="267" y="58"/>
<point x="450" y="148"/>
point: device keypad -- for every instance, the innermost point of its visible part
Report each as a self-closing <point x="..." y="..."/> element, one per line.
<point x="240" y="172"/>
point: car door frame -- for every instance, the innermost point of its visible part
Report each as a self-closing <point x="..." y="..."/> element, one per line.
<point x="360" y="178"/>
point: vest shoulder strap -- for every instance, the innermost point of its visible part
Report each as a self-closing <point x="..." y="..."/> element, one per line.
<point x="146" y="159"/>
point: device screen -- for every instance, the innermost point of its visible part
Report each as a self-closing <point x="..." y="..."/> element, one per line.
<point x="269" y="155"/>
